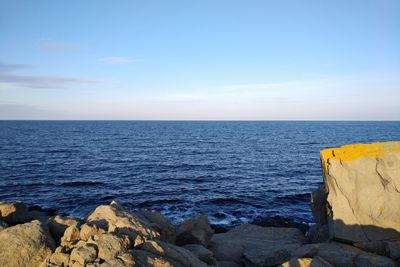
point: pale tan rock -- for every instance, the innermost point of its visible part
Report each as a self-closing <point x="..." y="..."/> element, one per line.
<point x="89" y="230"/>
<point x="71" y="234"/>
<point x="195" y="231"/>
<point x="147" y="259"/>
<point x="172" y="253"/>
<point x="58" y="225"/>
<point x="60" y="259"/>
<point x="113" y="263"/>
<point x="14" y="213"/>
<point x="83" y="255"/>
<point x="127" y="258"/>
<point x="298" y="262"/>
<point x="116" y="218"/>
<point x="28" y="244"/>
<point x="202" y="253"/>
<point x="159" y="223"/>
<point x="363" y="185"/>
<point x="110" y="246"/>
<point x="256" y="245"/>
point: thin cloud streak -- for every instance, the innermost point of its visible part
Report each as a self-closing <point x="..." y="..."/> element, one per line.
<point x="117" y="60"/>
<point x="47" y="82"/>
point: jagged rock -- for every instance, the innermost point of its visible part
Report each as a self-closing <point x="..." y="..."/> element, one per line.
<point x="59" y="259"/>
<point x="202" y="253"/>
<point x="159" y="223"/>
<point x="58" y="225"/>
<point x="194" y="231"/>
<point x="14" y="213"/>
<point x="318" y="234"/>
<point x="257" y="246"/>
<point x="228" y="264"/>
<point x="109" y="246"/>
<point x="377" y="247"/>
<point x="147" y="259"/>
<point x="3" y="225"/>
<point x="363" y="185"/>
<point x="172" y="253"/>
<point x="320" y="231"/>
<point x="373" y="260"/>
<point x="116" y="218"/>
<point x="26" y="244"/>
<point x="71" y="234"/>
<point x="113" y="263"/>
<point x="392" y="249"/>
<point x="89" y="230"/>
<point x="306" y="262"/>
<point x="83" y="255"/>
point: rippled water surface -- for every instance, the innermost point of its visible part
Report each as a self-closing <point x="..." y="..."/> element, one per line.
<point x="231" y="171"/>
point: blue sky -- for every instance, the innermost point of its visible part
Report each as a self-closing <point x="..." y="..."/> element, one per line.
<point x="209" y="60"/>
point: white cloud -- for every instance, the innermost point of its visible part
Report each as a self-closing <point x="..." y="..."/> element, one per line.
<point x="117" y="60"/>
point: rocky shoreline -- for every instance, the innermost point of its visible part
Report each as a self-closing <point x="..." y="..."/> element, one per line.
<point x="112" y="235"/>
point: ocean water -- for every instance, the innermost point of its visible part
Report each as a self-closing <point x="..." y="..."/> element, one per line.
<point x="230" y="171"/>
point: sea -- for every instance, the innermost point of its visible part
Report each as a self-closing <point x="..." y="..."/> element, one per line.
<point x="232" y="171"/>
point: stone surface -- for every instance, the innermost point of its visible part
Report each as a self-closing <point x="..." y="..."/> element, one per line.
<point x="363" y="185"/>
<point x="202" y="253"/>
<point x="58" y="225"/>
<point x="145" y="258"/>
<point x="71" y="234"/>
<point x="26" y="244"/>
<point x="160" y="223"/>
<point x="392" y="249"/>
<point x="114" y="217"/>
<point x="89" y="230"/>
<point x="172" y="253"/>
<point x="60" y="259"/>
<point x="84" y="255"/>
<point x="256" y="245"/>
<point x="3" y="225"/>
<point x="109" y="246"/>
<point x="14" y="213"/>
<point x="318" y="205"/>
<point x="195" y="231"/>
<point x="373" y="260"/>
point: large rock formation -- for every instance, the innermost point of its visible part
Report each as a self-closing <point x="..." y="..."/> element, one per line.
<point x="362" y="182"/>
<point x="27" y="244"/>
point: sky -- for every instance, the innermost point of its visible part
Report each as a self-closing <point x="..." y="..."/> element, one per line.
<point x="200" y="60"/>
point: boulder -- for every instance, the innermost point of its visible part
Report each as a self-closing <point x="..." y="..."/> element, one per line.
<point x="373" y="260"/>
<point x="88" y="230"/>
<point x="318" y="205"/>
<point x="71" y="234"/>
<point x="256" y="245"/>
<point x="14" y="213"/>
<point x="3" y="225"/>
<point x="392" y="249"/>
<point x="194" y="231"/>
<point x="228" y="264"/>
<point x="172" y="253"/>
<point x="306" y="262"/>
<point x="26" y="244"/>
<point x="202" y="253"/>
<point x="159" y="223"/>
<point x="84" y="255"/>
<point x="145" y="258"/>
<point x="110" y="246"/>
<point x="59" y="259"/>
<point x="58" y="225"/>
<point x="363" y="186"/>
<point x="116" y="218"/>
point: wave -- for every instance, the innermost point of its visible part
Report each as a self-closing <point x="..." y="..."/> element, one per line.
<point x="81" y="183"/>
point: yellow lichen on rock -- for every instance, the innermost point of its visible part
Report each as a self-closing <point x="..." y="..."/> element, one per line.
<point x="354" y="151"/>
<point x="362" y="182"/>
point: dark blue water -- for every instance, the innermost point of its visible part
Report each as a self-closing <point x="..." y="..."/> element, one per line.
<point x="231" y="171"/>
